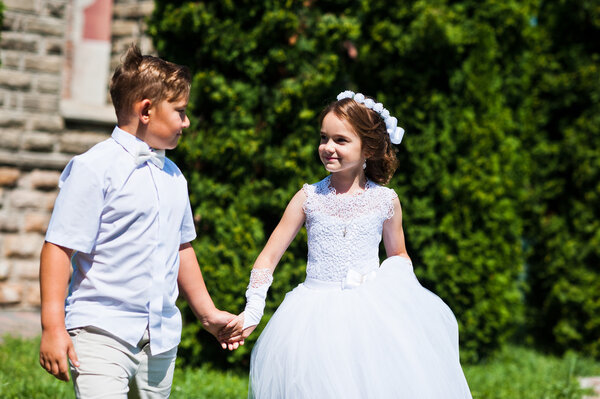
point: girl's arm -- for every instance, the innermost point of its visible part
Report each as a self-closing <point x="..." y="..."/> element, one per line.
<point x="289" y="225"/>
<point x="393" y="235"/>
<point x="291" y="222"/>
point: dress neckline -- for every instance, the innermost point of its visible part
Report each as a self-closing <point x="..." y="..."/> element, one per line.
<point x="333" y="191"/>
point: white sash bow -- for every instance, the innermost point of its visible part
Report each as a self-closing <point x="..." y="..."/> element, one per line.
<point x="354" y="279"/>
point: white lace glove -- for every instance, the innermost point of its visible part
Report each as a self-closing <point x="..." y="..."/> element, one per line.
<point x="260" y="281"/>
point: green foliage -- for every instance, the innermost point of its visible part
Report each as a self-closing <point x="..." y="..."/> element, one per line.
<point x="498" y="171"/>
<point x="21" y="376"/>
<point x="203" y="383"/>
<point x="517" y="372"/>
<point x="514" y="372"/>
<point x="1" y="17"/>
<point x="461" y="176"/>
<point x="263" y="72"/>
<point x="562" y="132"/>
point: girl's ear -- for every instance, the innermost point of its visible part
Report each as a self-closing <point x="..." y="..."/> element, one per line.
<point x="367" y="153"/>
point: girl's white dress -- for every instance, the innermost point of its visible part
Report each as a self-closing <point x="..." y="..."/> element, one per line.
<point x="354" y="329"/>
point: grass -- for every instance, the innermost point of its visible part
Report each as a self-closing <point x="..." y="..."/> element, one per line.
<point x="522" y="373"/>
<point x="21" y="376"/>
<point x="515" y="373"/>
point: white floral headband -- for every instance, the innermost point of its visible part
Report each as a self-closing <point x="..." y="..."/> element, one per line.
<point x="391" y="123"/>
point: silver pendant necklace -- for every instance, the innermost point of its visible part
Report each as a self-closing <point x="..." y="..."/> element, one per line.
<point x="355" y="194"/>
<point x="347" y="224"/>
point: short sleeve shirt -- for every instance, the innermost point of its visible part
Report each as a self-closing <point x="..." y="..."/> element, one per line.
<point x="125" y="223"/>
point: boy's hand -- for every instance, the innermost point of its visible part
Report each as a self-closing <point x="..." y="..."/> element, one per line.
<point x="215" y="322"/>
<point x="55" y="347"/>
<point x="232" y="334"/>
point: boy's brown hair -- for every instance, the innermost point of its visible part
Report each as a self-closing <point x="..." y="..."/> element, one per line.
<point x="375" y="140"/>
<point x="145" y="76"/>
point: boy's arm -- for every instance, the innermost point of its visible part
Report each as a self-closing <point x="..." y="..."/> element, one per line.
<point x="56" y="345"/>
<point x="191" y="284"/>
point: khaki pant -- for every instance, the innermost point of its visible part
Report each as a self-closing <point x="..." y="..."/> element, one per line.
<point x="111" y="368"/>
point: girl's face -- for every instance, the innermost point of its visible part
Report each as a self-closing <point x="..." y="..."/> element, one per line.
<point x="340" y="148"/>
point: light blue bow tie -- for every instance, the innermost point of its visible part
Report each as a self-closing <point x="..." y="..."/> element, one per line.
<point x="144" y="153"/>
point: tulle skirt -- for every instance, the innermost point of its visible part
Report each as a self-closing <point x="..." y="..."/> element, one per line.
<point x="387" y="338"/>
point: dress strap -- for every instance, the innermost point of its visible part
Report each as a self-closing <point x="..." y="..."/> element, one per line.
<point x="390" y="196"/>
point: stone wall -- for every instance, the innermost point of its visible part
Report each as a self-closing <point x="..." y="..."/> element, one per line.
<point x="129" y="25"/>
<point x="37" y="137"/>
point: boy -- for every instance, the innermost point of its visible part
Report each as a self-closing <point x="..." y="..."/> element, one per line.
<point x="124" y="219"/>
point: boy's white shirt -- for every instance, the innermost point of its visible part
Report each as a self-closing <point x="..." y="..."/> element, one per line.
<point x="126" y="222"/>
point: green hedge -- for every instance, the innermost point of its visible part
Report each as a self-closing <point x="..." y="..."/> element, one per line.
<point x="485" y="186"/>
<point x="1" y="17"/>
<point x="251" y="146"/>
<point x="563" y="212"/>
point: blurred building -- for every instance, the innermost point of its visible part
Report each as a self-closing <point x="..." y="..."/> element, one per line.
<point x="56" y="59"/>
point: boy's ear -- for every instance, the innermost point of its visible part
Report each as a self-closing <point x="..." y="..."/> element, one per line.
<point x="143" y="110"/>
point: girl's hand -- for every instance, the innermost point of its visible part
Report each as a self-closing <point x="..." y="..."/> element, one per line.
<point x="246" y="333"/>
<point x="232" y="334"/>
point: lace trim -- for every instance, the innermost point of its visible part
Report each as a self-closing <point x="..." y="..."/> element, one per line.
<point x="344" y="230"/>
<point x="390" y="213"/>
<point x="308" y="190"/>
<point x="259" y="277"/>
<point x="355" y="194"/>
<point x="322" y="196"/>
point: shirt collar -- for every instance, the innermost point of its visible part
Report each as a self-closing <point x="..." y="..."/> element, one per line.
<point x="127" y="140"/>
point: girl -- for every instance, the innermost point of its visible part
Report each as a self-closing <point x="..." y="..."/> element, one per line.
<point x="353" y="329"/>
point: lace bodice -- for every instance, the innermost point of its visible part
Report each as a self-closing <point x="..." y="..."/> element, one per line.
<point x="344" y="230"/>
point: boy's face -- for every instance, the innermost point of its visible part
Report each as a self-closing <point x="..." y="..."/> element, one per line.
<point x="167" y="120"/>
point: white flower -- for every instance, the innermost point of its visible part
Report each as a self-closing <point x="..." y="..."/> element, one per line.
<point x="391" y="123"/>
<point x="345" y="94"/>
<point x="396" y="135"/>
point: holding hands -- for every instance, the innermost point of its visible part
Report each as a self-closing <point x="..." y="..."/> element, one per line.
<point x="241" y="326"/>
<point x="238" y="328"/>
<point x="217" y="323"/>
<point x="234" y="333"/>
